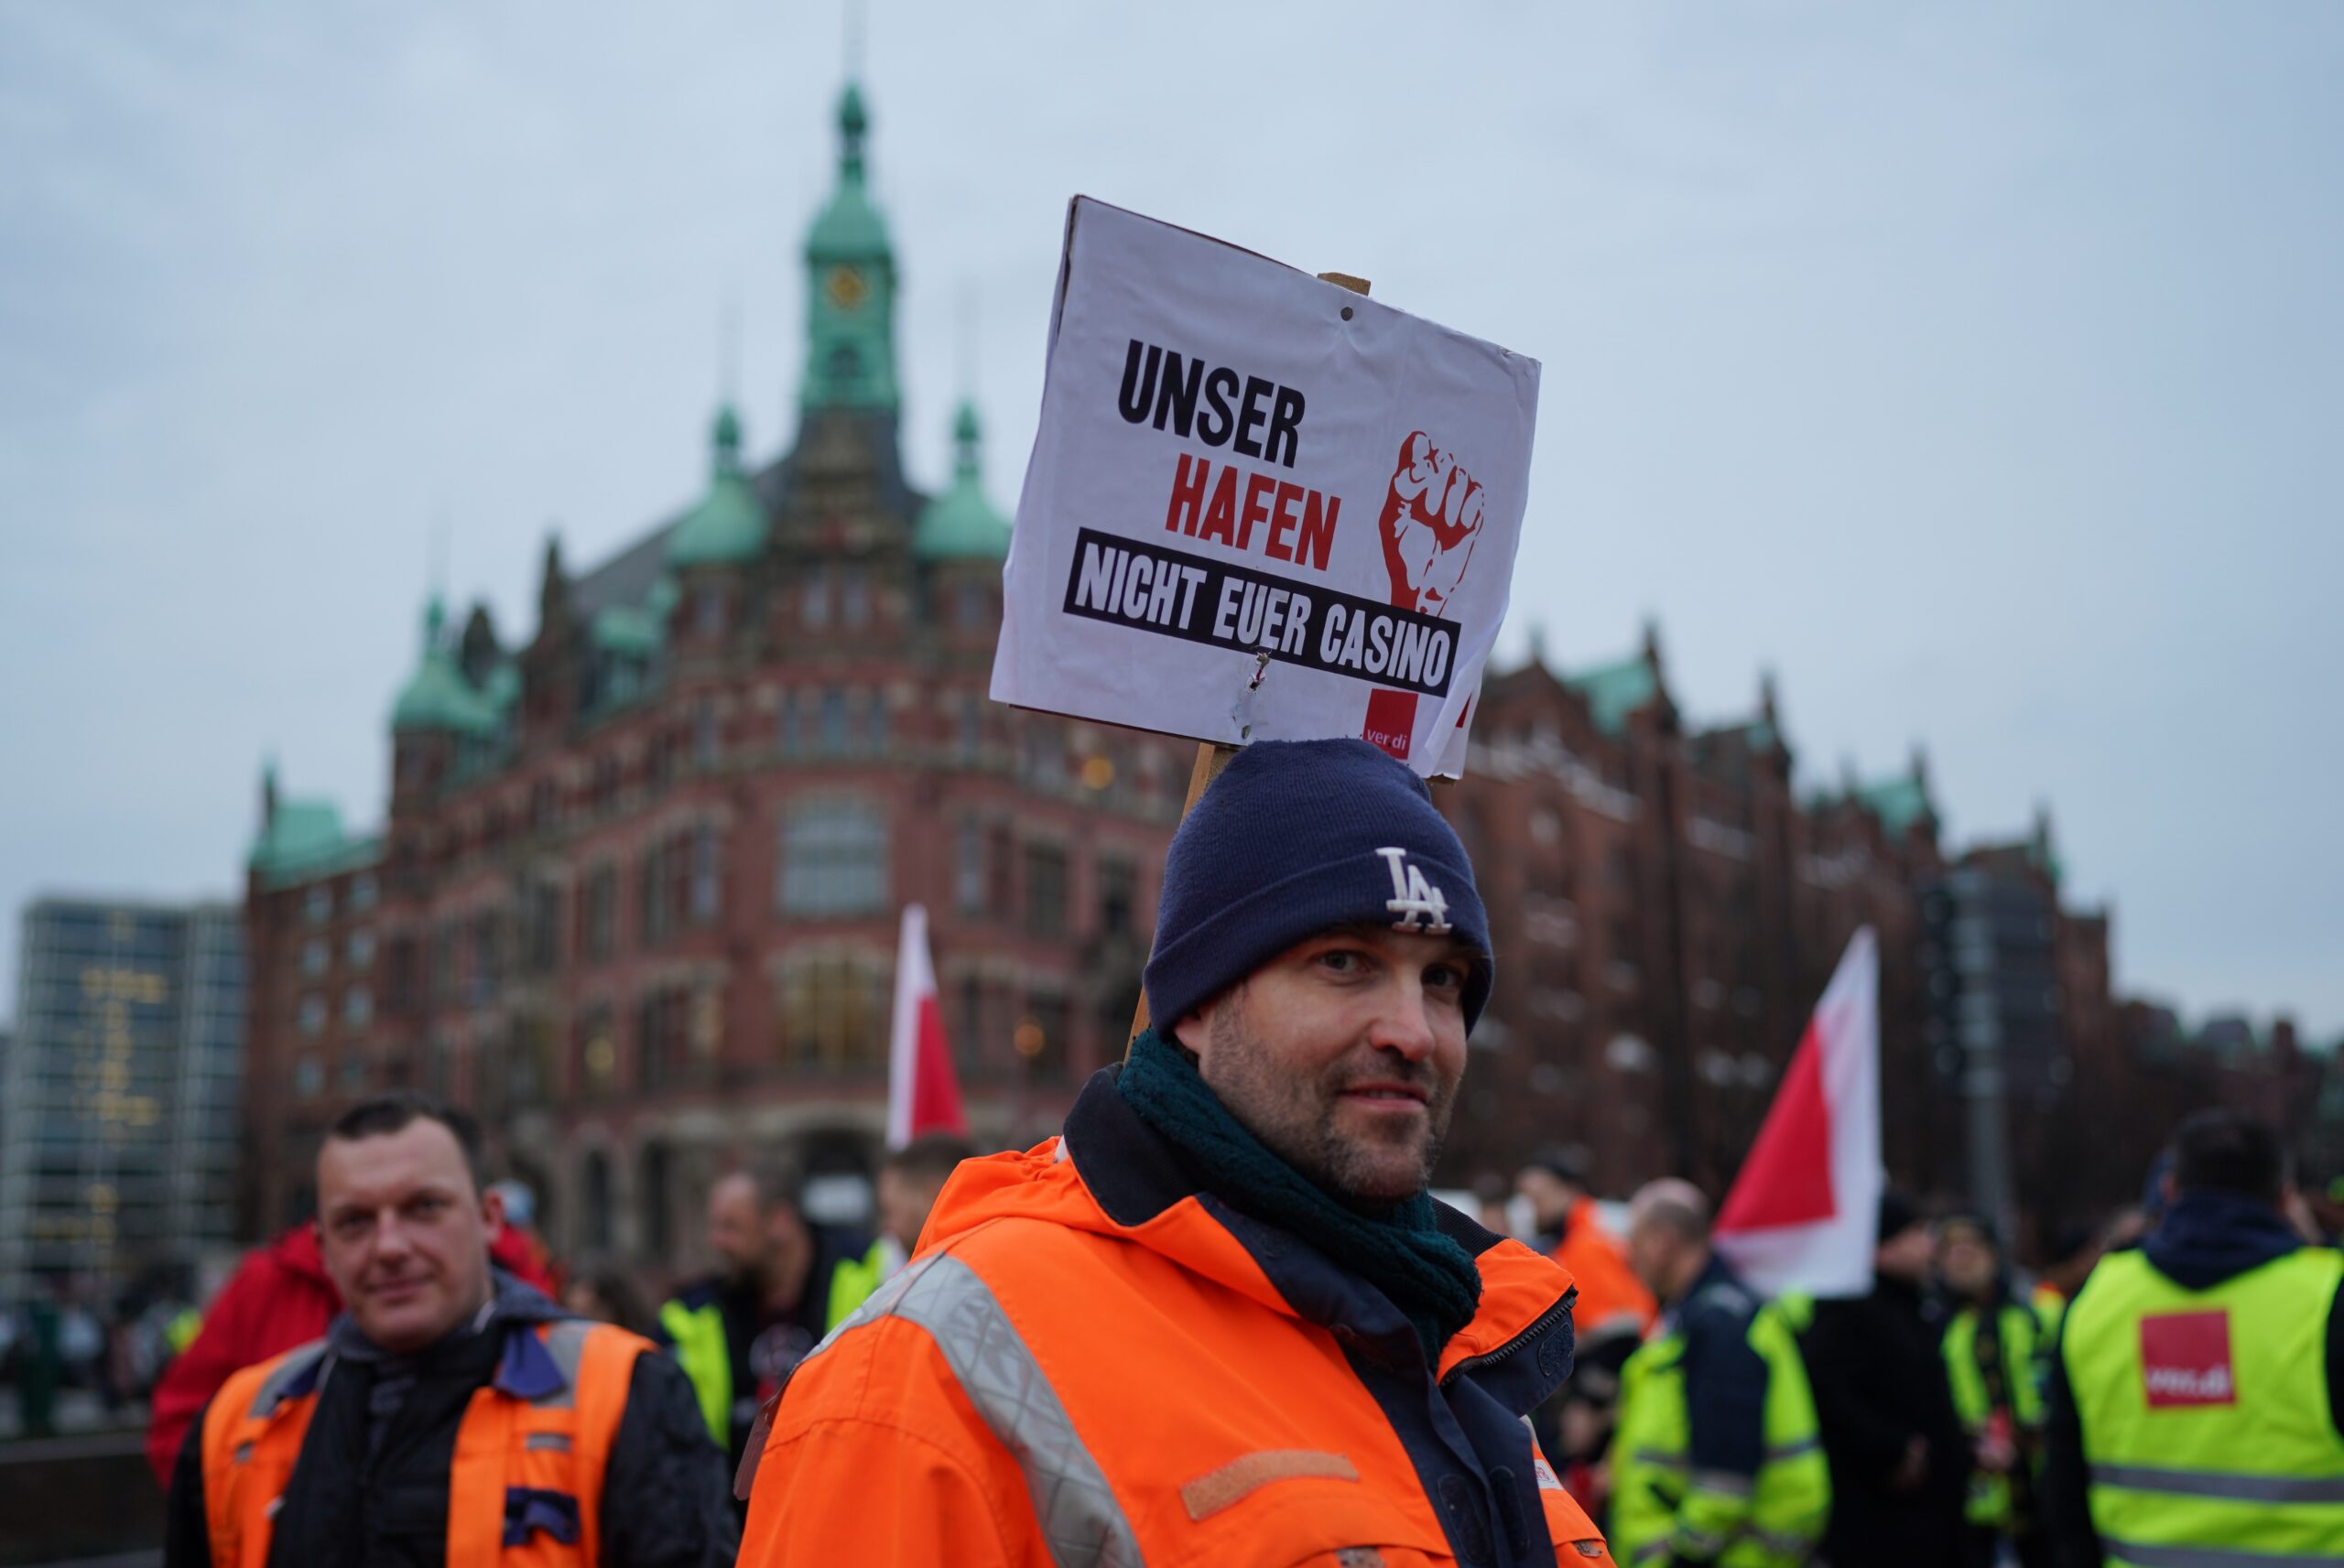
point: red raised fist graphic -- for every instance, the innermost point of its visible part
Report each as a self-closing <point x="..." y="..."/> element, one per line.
<point x="1432" y="515"/>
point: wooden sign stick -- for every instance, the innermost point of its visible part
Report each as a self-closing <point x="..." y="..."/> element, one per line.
<point x="1211" y="756"/>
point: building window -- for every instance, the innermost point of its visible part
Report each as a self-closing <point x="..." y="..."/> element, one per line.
<point x="314" y="956"/>
<point x="1041" y="1039"/>
<point x="319" y="906"/>
<point x="832" y="1016"/>
<point x="362" y="891"/>
<point x="487" y="958"/>
<point x="969" y="869"/>
<point x="313" y="1016"/>
<point x="833" y="858"/>
<point x="814" y="603"/>
<point x="706" y="742"/>
<point x="854" y="599"/>
<point x="594" y="1201"/>
<point x="970" y="610"/>
<point x="1045" y="889"/>
<point x="1117" y="896"/>
<point x="792" y="742"/>
<point x="308" y="1076"/>
<point x="663" y="1036"/>
<point x="874" y="727"/>
<point x="358" y="1007"/>
<point x="835" y="722"/>
<point x="708" y="885"/>
<point x="543" y="917"/>
<point x="708" y="612"/>
<point x="398" y="977"/>
<point x="971" y="724"/>
<point x="597" y="1052"/>
<point x="362" y="948"/>
<point x="601" y="935"/>
<point x="652" y="1190"/>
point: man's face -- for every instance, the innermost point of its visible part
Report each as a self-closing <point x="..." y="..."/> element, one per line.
<point x="1650" y="1248"/>
<point x="405" y="1232"/>
<point x="740" y="1232"/>
<point x="1550" y="1197"/>
<point x="1343" y="1055"/>
<point x="1966" y="1263"/>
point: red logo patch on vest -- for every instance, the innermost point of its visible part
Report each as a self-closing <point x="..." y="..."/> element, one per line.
<point x="2185" y="1359"/>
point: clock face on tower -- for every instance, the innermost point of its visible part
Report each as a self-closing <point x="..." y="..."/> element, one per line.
<point x="846" y="287"/>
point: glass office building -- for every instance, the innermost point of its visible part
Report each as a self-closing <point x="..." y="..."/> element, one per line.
<point x="119" y="1098"/>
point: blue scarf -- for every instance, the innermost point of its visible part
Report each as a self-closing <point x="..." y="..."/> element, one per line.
<point x="1400" y="1251"/>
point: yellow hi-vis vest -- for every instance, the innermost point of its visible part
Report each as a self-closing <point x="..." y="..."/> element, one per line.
<point x="706" y="1355"/>
<point x="2205" y="1414"/>
<point x="2019" y="1335"/>
<point x="1660" y="1504"/>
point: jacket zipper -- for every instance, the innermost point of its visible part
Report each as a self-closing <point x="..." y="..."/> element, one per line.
<point x="1538" y="1325"/>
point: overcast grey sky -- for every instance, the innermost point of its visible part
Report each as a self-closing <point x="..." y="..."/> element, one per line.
<point x="1980" y="369"/>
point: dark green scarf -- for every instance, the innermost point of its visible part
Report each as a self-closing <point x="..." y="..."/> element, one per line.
<point x="1431" y="1278"/>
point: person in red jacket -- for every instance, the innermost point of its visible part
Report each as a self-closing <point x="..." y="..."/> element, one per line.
<point x="278" y="1297"/>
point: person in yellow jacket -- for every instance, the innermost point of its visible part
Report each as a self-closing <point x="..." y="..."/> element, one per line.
<point x="1717" y="1458"/>
<point x="784" y="1282"/>
<point x="1994" y="1345"/>
<point x="1220" y="1322"/>
<point x="452" y="1415"/>
<point x="2196" y="1397"/>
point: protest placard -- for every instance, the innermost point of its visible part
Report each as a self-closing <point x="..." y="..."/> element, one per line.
<point x="1260" y="505"/>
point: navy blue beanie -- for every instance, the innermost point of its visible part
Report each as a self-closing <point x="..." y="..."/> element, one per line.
<point x="1295" y="837"/>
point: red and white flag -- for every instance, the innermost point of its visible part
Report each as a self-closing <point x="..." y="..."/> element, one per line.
<point x="1805" y="1212"/>
<point x="923" y="1096"/>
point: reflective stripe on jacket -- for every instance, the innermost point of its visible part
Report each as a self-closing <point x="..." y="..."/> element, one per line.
<point x="1662" y="1506"/>
<point x="2205" y="1414"/>
<point x="706" y="1354"/>
<point x="2019" y="1341"/>
<point x="1094" y="1363"/>
<point x="524" y="1487"/>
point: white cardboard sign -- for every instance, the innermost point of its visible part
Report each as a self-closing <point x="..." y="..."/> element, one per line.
<point x="1259" y="506"/>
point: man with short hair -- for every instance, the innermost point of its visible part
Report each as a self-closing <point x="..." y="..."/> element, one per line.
<point x="2197" y="1392"/>
<point x="783" y="1283"/>
<point x="909" y="1180"/>
<point x="1221" y="1319"/>
<point x="1717" y="1459"/>
<point x="451" y="1413"/>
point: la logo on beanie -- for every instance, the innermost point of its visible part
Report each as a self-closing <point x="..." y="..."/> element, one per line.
<point x="1419" y="906"/>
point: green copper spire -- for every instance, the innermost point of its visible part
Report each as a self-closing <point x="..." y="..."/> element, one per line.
<point x="728" y="526"/>
<point x="960" y="524"/>
<point x="849" y="285"/>
<point x="437" y="697"/>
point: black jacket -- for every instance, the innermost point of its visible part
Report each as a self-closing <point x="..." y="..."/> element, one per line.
<point x="2205" y="1238"/>
<point x="1880" y="1381"/>
<point x="370" y="1489"/>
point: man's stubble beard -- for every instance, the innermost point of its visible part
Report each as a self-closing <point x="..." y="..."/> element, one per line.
<point x="1294" y="1118"/>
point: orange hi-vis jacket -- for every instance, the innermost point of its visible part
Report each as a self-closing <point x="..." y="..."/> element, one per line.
<point x="1611" y="1300"/>
<point x="525" y="1486"/>
<point x="1092" y="1362"/>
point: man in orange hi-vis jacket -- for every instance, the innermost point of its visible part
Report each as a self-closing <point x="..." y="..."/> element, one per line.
<point x="1219" y="1320"/>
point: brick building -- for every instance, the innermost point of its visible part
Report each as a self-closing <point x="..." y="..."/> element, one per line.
<point x="636" y="902"/>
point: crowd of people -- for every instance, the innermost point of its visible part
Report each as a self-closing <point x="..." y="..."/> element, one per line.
<point x="1221" y="1319"/>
